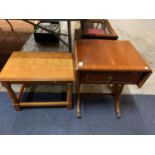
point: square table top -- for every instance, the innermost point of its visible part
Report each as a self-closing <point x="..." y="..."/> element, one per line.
<point x="108" y="55"/>
<point x="38" y="66"/>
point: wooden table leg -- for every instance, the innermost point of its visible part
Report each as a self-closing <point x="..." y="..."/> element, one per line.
<point x="69" y="95"/>
<point x="78" y="100"/>
<point x="21" y="92"/>
<point x="13" y="96"/>
<point x="117" y="90"/>
<point x="117" y="106"/>
<point x="117" y="93"/>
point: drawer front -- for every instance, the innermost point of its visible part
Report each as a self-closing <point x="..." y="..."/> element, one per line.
<point x="110" y="77"/>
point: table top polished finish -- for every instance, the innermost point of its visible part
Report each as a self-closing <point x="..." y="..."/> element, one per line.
<point x="38" y="66"/>
<point x="108" y="55"/>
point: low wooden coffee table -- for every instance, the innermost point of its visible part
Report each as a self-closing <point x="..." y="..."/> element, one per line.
<point x="114" y="63"/>
<point x="29" y="68"/>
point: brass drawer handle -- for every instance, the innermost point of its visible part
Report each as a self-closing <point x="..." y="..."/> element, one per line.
<point x="109" y="79"/>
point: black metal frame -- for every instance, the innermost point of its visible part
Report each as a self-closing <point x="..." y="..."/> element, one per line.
<point x="69" y="44"/>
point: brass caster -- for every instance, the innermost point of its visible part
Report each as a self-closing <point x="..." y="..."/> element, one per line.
<point x="118" y="115"/>
<point x="78" y="114"/>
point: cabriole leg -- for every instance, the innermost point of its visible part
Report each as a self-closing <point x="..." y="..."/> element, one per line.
<point x="117" y="90"/>
<point x="78" y="101"/>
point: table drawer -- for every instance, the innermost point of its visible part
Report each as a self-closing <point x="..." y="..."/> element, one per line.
<point x="110" y="77"/>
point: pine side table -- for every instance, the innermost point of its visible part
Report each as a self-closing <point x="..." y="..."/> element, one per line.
<point x="29" y="68"/>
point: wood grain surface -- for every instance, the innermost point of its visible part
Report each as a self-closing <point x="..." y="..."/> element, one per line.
<point x="109" y="55"/>
<point x="38" y="66"/>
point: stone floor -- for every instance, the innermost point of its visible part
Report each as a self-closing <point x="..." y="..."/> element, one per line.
<point x="142" y="35"/>
<point x="140" y="32"/>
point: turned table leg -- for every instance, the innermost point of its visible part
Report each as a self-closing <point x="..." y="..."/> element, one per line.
<point x="69" y="95"/>
<point x="15" y="101"/>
